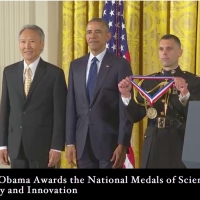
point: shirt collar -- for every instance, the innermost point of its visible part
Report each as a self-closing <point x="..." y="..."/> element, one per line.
<point x="99" y="56"/>
<point x="33" y="65"/>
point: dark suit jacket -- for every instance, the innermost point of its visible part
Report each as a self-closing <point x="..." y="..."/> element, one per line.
<point x="103" y="118"/>
<point x="37" y="121"/>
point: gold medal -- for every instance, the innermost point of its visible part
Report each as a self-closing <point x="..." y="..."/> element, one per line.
<point x="151" y="113"/>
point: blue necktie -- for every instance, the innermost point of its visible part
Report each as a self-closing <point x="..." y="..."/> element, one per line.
<point x="92" y="78"/>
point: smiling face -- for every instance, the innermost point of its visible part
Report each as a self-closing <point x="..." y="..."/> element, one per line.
<point x="31" y="45"/>
<point x="169" y="53"/>
<point x="97" y="35"/>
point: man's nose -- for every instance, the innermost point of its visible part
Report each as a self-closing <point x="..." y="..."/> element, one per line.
<point x="164" y="51"/>
<point x="27" y="44"/>
<point x="93" y="35"/>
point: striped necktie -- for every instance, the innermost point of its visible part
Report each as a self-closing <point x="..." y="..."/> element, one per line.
<point x="27" y="80"/>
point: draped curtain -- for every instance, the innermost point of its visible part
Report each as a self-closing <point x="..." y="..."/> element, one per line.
<point x="146" y="22"/>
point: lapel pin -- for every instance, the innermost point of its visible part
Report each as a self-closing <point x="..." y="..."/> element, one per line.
<point x="107" y="65"/>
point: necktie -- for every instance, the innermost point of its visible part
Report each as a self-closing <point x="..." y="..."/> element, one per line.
<point x="92" y="78"/>
<point x="27" y="80"/>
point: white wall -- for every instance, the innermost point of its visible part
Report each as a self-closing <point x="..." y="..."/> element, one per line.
<point x="15" y="14"/>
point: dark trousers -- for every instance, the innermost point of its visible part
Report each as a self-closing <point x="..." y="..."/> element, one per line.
<point x="88" y="159"/>
<point x="21" y="162"/>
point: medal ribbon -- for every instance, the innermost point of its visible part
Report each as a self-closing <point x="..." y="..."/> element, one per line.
<point x="159" y="93"/>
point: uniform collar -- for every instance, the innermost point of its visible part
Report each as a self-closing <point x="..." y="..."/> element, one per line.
<point x="172" y="72"/>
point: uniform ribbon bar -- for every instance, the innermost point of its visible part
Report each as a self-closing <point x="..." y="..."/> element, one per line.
<point x="159" y="93"/>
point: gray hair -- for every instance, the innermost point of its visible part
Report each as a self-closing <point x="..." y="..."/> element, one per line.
<point x="33" y="27"/>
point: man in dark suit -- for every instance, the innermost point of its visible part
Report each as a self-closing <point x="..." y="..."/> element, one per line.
<point x="164" y="136"/>
<point x="32" y="120"/>
<point x="97" y="132"/>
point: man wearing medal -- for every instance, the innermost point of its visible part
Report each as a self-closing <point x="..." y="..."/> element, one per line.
<point x="164" y="135"/>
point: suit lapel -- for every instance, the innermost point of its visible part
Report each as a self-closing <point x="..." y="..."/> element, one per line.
<point x="82" y="76"/>
<point x="20" y="78"/>
<point x="39" y="73"/>
<point x="105" y="67"/>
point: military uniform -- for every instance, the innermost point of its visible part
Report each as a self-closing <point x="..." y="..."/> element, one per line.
<point x="164" y="136"/>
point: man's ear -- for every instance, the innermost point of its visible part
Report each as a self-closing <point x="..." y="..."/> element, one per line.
<point x="109" y="35"/>
<point x="42" y="45"/>
<point x="180" y="52"/>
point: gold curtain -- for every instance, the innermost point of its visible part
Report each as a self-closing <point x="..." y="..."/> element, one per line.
<point x="146" y="22"/>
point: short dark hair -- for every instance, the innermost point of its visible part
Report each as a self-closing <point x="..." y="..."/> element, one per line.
<point x="171" y="36"/>
<point x="100" y="20"/>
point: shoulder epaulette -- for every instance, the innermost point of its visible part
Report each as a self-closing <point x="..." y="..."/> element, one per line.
<point x="186" y="72"/>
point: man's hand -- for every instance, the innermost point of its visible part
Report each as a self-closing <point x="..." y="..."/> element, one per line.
<point x="181" y="85"/>
<point x="71" y="155"/>
<point x="125" y="87"/>
<point x="119" y="156"/>
<point x="54" y="157"/>
<point x="4" y="157"/>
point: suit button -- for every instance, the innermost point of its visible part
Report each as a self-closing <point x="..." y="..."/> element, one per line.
<point x="162" y="113"/>
<point x="90" y="109"/>
<point x="20" y="127"/>
<point x="24" y="113"/>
